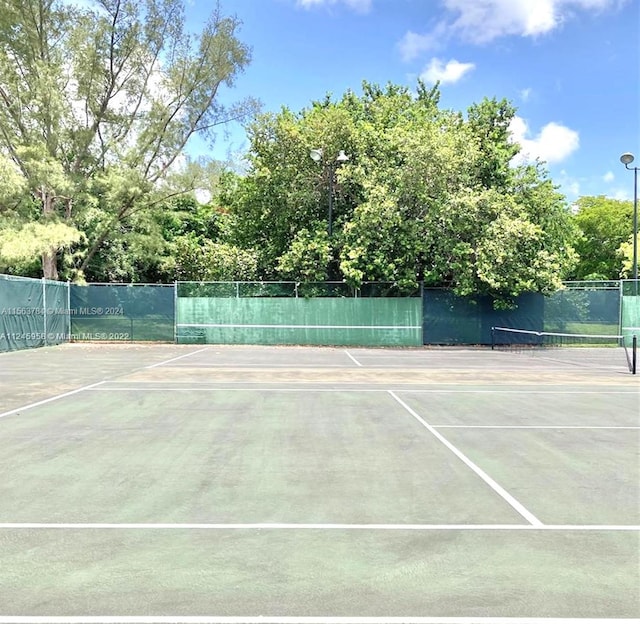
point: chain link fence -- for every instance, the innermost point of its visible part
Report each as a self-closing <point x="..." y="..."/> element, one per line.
<point x="36" y="313"/>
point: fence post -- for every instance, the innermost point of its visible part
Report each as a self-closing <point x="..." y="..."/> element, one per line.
<point x="68" y="310"/>
<point x="175" y="312"/>
<point x="620" y="306"/>
<point x="44" y="311"/>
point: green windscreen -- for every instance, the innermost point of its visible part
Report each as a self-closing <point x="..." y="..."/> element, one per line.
<point x="452" y="319"/>
<point x="122" y="312"/>
<point x="33" y="313"/>
<point x="630" y="316"/>
<point x="584" y="308"/>
<point x="273" y="314"/>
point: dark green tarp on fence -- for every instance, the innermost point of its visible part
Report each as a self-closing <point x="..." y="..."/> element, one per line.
<point x="33" y="313"/>
<point x="450" y="319"/>
<point x="122" y="312"/>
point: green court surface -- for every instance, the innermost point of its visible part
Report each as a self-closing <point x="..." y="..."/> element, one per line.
<point x="170" y="483"/>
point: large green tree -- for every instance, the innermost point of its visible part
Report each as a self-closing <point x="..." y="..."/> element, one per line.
<point x="97" y="105"/>
<point x="426" y="194"/>
<point x="605" y="226"/>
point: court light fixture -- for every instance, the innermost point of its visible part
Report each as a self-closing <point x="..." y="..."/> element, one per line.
<point x="626" y="159"/>
<point x="317" y="155"/>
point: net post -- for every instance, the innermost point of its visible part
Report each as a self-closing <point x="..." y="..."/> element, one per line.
<point x="634" y="351"/>
<point x="493" y="338"/>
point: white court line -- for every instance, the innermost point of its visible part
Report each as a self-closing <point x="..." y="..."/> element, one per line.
<point x="352" y="358"/>
<point x="53" y="398"/>
<point x="287" y="526"/>
<point x="524" y="391"/>
<point x="531" y="427"/>
<point x="139" y="385"/>
<point x="192" y="385"/>
<point x="517" y="505"/>
<point x="222" y="387"/>
<point x="83" y="388"/>
<point x="178" y="358"/>
<point x="269" y="619"/>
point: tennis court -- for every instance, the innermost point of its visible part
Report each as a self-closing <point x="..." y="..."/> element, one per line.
<point x="187" y="483"/>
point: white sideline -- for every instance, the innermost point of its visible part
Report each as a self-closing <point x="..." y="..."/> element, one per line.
<point x="83" y="388"/>
<point x="352" y="358"/>
<point x="53" y="398"/>
<point x="497" y="488"/>
<point x="177" y="358"/>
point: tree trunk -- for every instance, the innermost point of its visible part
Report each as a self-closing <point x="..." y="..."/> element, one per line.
<point x="50" y="265"/>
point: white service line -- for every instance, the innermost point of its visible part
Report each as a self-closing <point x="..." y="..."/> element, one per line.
<point x="531" y="427"/>
<point x="258" y="386"/>
<point x="287" y="526"/>
<point x="50" y="399"/>
<point x="517" y="505"/>
<point x="178" y="358"/>
<point x="520" y="391"/>
<point x="352" y="358"/>
<point x="143" y="382"/>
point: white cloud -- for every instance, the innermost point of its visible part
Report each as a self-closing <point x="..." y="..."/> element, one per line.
<point x="413" y="44"/>
<point x="609" y="176"/>
<point x="360" y="6"/>
<point x="622" y="195"/>
<point x="482" y="21"/>
<point x="451" y="72"/>
<point x="553" y="144"/>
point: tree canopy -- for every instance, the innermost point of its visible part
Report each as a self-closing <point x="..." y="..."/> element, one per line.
<point x="606" y="231"/>
<point x="97" y="105"/>
<point x="426" y="194"/>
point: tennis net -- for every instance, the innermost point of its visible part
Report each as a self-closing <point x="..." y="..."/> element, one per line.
<point x="591" y="350"/>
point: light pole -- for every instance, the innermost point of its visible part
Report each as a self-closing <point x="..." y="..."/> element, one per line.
<point x="332" y="165"/>
<point x="626" y="159"/>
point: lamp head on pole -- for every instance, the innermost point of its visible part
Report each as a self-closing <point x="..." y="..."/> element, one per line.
<point x="627" y="158"/>
<point x="316" y="154"/>
<point x="342" y="157"/>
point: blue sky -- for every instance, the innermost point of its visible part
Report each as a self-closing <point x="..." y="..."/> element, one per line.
<point x="571" y="67"/>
